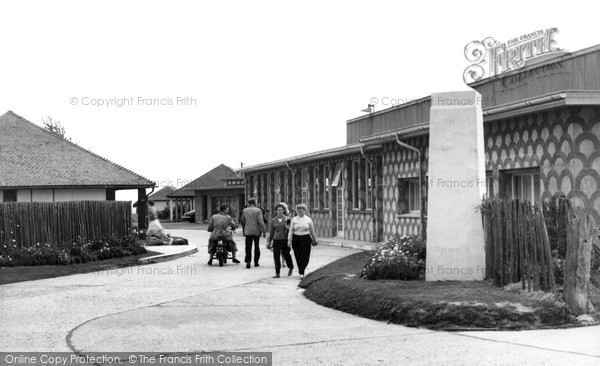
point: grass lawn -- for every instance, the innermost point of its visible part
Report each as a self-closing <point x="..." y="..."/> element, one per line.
<point x="29" y="273"/>
<point x="434" y="305"/>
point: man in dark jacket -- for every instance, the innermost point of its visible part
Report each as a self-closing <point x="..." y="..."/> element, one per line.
<point x="220" y="226"/>
<point x="253" y="223"/>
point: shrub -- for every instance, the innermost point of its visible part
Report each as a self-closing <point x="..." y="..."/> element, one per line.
<point x="398" y="258"/>
<point x="81" y="251"/>
<point x="165" y="214"/>
<point x="36" y="255"/>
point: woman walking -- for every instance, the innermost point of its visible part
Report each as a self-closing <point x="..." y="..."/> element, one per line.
<point x="278" y="240"/>
<point x="286" y="213"/>
<point x="301" y="236"/>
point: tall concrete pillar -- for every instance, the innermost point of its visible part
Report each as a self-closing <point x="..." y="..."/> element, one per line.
<point x="455" y="241"/>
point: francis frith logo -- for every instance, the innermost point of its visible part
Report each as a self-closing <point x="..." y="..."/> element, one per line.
<point x="491" y="58"/>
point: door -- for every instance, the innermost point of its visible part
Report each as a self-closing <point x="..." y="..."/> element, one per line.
<point x="204" y="200"/>
<point x="339" y="210"/>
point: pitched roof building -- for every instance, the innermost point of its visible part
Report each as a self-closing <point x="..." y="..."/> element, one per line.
<point x="160" y="197"/>
<point x="39" y="166"/>
<point x="212" y="189"/>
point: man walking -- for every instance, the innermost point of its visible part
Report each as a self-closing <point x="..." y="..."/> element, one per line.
<point x="253" y="223"/>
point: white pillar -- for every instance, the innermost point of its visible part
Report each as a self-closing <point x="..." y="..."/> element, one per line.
<point x="171" y="209"/>
<point x="455" y="241"/>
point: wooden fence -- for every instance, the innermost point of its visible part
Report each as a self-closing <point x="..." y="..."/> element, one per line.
<point x="556" y="213"/>
<point x="516" y="245"/>
<point x="54" y="223"/>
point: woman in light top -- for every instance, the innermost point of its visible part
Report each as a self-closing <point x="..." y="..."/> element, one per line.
<point x="301" y="236"/>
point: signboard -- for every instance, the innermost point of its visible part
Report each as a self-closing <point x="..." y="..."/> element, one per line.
<point x="491" y="58"/>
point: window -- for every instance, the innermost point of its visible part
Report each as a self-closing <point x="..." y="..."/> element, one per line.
<point x="317" y="187"/>
<point x="326" y="187"/>
<point x="368" y="185"/>
<point x="337" y="181"/>
<point x="281" y="182"/>
<point x="526" y="187"/>
<point x="274" y="188"/>
<point x="304" y="180"/>
<point x="10" y="195"/>
<point x="354" y="187"/>
<point x="414" y="196"/>
<point x="409" y="196"/>
<point x="254" y="187"/>
<point x="259" y="191"/>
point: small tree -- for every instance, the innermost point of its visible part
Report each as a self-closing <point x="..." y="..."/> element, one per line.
<point x="54" y="126"/>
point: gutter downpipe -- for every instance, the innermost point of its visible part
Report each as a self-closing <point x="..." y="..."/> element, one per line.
<point x="373" y="210"/>
<point x="410" y="147"/>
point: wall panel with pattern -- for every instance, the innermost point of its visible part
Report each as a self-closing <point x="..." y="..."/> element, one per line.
<point x="564" y="143"/>
<point x="399" y="162"/>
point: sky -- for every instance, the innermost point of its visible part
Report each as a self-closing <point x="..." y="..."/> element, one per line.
<point x="172" y="89"/>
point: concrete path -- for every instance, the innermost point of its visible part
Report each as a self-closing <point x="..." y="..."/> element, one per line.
<point x="186" y="306"/>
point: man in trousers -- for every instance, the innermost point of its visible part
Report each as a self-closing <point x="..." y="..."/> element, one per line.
<point x="253" y="223"/>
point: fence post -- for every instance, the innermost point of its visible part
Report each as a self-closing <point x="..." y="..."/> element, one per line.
<point x="577" y="261"/>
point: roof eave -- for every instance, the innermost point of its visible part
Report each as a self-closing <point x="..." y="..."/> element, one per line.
<point x="79" y="186"/>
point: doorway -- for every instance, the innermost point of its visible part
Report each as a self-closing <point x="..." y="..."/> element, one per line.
<point x="204" y="202"/>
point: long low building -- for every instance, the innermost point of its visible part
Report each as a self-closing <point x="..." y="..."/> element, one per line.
<point x="541" y="137"/>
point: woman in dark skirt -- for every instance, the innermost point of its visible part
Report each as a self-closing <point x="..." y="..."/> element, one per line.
<point x="278" y="240"/>
<point x="301" y="236"/>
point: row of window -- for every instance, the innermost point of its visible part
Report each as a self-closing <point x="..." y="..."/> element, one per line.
<point x="314" y="186"/>
<point x="523" y="185"/>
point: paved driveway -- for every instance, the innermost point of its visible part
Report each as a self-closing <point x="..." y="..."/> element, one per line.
<point x="186" y="306"/>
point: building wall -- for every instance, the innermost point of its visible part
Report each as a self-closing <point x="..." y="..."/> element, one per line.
<point x="564" y="143"/>
<point x="59" y="195"/>
<point x="412" y="113"/>
<point x="160" y="205"/>
<point x="578" y="72"/>
<point x="399" y="162"/>
<point x="358" y="223"/>
<point x="323" y="223"/>
<point x="234" y="197"/>
<point x="86" y="194"/>
<point x="42" y="195"/>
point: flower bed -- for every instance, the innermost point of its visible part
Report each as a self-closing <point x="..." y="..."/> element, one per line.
<point x="81" y="251"/>
<point x="398" y="258"/>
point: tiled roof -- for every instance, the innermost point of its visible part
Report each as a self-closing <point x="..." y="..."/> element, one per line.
<point x="213" y="179"/>
<point x="160" y="195"/>
<point x="31" y="156"/>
